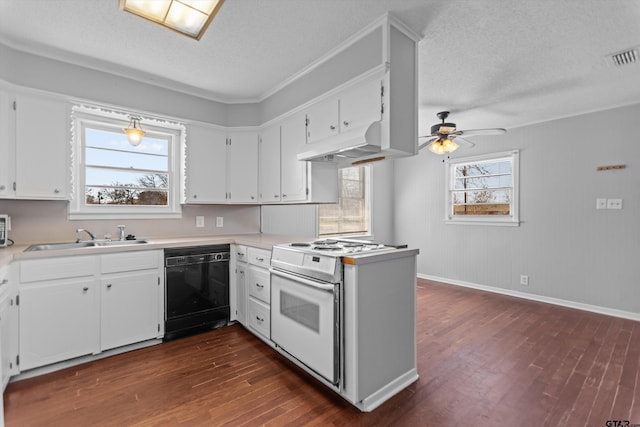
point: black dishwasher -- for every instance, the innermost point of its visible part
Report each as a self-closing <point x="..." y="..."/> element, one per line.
<point x="196" y="289"/>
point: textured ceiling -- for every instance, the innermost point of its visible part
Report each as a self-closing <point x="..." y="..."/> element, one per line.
<point x="493" y="63"/>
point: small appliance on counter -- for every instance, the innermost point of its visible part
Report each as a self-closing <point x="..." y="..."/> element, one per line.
<point x="5" y="226"/>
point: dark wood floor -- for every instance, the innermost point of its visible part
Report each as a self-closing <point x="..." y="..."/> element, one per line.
<point x="484" y="360"/>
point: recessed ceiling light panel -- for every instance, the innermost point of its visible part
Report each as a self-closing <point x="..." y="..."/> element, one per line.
<point x="188" y="17"/>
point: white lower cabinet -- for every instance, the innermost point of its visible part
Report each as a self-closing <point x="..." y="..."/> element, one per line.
<point x="76" y="306"/>
<point x="241" y="293"/>
<point x="259" y="318"/>
<point x="129" y="313"/>
<point x="258" y="292"/>
<point x="57" y="321"/>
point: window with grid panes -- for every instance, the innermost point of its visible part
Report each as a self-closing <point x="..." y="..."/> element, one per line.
<point x="351" y="216"/>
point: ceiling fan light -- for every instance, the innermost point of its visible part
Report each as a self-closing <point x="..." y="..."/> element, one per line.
<point x="436" y="147"/>
<point x="449" y="145"/>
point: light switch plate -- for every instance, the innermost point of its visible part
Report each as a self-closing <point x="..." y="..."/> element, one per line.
<point x="601" y="203"/>
<point x="219" y="221"/>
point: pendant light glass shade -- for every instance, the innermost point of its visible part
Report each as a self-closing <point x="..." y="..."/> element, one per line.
<point x="443" y="146"/>
<point x="134" y="132"/>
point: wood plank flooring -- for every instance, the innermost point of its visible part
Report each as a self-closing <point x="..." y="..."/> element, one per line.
<point x="483" y="359"/>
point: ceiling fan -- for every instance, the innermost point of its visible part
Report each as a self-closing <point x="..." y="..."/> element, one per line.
<point x="444" y="136"/>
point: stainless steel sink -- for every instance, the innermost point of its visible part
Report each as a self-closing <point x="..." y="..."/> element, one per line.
<point x="118" y="242"/>
<point x="88" y="244"/>
<point x="55" y="246"/>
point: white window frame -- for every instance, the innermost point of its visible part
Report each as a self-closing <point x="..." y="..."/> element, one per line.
<point x="87" y="116"/>
<point x="513" y="219"/>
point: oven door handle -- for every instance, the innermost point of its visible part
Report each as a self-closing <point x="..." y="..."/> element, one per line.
<point x="319" y="285"/>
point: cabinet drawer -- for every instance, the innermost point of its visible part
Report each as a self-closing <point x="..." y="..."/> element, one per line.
<point x="260" y="317"/>
<point x="259" y="282"/>
<point x="57" y="268"/>
<point x="261" y="257"/>
<point x="130" y="261"/>
<point x="241" y="253"/>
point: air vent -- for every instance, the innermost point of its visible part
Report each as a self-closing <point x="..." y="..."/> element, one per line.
<point x="626" y="57"/>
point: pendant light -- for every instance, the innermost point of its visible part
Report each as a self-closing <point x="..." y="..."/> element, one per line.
<point x="134" y="132"/>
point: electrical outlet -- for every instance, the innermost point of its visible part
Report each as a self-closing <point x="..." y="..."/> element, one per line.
<point x="199" y="221"/>
<point x="601" y="203"/>
<point x="524" y="280"/>
<point x="614" y="203"/>
<point x="219" y="221"/>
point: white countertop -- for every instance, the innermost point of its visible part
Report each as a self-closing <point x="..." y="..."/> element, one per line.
<point x="258" y="240"/>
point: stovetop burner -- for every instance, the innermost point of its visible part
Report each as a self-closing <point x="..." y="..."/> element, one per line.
<point x="300" y="245"/>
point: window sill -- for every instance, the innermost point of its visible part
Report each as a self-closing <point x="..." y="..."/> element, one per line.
<point x="483" y="222"/>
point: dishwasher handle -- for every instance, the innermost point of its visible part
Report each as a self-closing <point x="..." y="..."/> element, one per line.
<point x="309" y="282"/>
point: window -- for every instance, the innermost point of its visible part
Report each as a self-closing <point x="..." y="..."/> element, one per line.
<point x="351" y="215"/>
<point x="113" y="179"/>
<point x="483" y="189"/>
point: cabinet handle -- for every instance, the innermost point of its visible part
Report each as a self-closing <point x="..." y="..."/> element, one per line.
<point x="260" y="259"/>
<point x="275" y="196"/>
<point x="239" y="254"/>
<point x="109" y="286"/>
<point x="284" y="195"/>
<point x="4" y="281"/>
<point x="85" y="289"/>
<point x="252" y="197"/>
<point x="259" y="319"/>
<point x="56" y="191"/>
<point x="195" y="196"/>
<point x="346" y="123"/>
<point x="332" y="127"/>
<point x="2" y="187"/>
<point x="259" y="285"/>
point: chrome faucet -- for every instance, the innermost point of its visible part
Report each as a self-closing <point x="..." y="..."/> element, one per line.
<point x="80" y="230"/>
<point x="121" y="232"/>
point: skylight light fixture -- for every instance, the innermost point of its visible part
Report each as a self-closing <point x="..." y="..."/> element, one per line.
<point x="188" y="17"/>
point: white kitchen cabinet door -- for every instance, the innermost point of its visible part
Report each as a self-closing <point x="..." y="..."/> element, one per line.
<point x="58" y="321"/>
<point x="323" y="120"/>
<point x="242" y="167"/>
<point x="7" y="143"/>
<point x="206" y="165"/>
<point x="241" y="293"/>
<point x="42" y="147"/>
<point x="270" y="165"/>
<point x="129" y="308"/>
<point x="293" y="172"/>
<point x="361" y="105"/>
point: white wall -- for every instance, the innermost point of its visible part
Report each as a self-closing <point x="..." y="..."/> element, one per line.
<point x="569" y="250"/>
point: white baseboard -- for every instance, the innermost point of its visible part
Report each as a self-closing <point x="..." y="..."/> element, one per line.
<point x="540" y="298"/>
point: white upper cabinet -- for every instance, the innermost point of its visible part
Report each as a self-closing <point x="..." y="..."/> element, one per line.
<point x="356" y="107"/>
<point x="361" y="105"/>
<point x="323" y="120"/>
<point x="206" y="165"/>
<point x="7" y="145"/>
<point x="242" y="167"/>
<point x="42" y="147"/>
<point x="293" y="172"/>
<point x="270" y="165"/>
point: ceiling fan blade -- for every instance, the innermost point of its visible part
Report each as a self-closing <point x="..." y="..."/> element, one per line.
<point x="464" y="142"/>
<point x="427" y="142"/>
<point x="473" y="132"/>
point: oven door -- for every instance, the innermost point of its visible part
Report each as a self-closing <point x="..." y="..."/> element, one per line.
<point x="305" y="322"/>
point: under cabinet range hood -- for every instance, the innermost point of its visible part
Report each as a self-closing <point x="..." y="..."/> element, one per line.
<point x="346" y="147"/>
